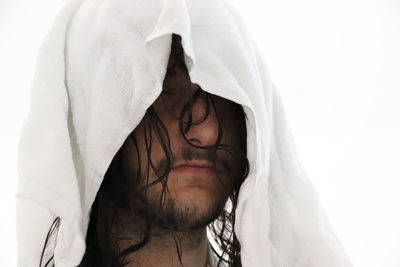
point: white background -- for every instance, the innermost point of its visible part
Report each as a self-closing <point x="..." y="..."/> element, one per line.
<point x="337" y="65"/>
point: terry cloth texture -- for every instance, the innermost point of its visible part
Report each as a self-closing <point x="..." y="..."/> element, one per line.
<point x="101" y="65"/>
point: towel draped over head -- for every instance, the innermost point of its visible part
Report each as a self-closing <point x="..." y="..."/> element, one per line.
<point x="100" y="67"/>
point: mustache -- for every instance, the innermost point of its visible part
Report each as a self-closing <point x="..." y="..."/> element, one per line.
<point x="190" y="153"/>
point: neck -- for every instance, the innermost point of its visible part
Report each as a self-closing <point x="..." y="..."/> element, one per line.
<point x="161" y="249"/>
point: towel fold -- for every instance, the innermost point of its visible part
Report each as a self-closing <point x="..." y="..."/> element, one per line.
<point x="100" y="67"/>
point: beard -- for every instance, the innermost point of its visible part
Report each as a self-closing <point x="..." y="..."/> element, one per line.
<point x="154" y="206"/>
<point x="167" y="211"/>
<point x="174" y="215"/>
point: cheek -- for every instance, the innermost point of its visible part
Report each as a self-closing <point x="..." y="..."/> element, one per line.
<point x="157" y="155"/>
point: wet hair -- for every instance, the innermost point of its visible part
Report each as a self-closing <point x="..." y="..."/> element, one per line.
<point x="119" y="192"/>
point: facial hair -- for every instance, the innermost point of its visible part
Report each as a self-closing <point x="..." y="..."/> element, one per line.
<point x="167" y="214"/>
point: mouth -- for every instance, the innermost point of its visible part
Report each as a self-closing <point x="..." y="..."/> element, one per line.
<point x="195" y="167"/>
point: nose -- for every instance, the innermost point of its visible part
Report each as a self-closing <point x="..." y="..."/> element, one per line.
<point x="204" y="130"/>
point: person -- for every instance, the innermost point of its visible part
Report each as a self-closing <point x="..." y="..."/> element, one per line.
<point x="156" y="137"/>
<point x="171" y="178"/>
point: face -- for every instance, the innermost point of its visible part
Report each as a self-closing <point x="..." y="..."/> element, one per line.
<point x="204" y="164"/>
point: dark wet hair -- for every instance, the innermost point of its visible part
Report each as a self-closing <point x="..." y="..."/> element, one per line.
<point x="119" y="191"/>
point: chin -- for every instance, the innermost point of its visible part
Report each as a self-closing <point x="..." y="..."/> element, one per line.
<point x="199" y="197"/>
<point x="201" y="207"/>
<point x="189" y="207"/>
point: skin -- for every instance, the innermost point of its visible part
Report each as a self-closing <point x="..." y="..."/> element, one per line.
<point x="194" y="190"/>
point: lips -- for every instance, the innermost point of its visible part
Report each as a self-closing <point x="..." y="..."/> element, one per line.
<point x="195" y="164"/>
<point x="195" y="167"/>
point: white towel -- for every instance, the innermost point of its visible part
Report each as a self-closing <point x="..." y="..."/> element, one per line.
<point x="100" y="67"/>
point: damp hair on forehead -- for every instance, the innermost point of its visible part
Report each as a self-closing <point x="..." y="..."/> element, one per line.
<point x="119" y="191"/>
